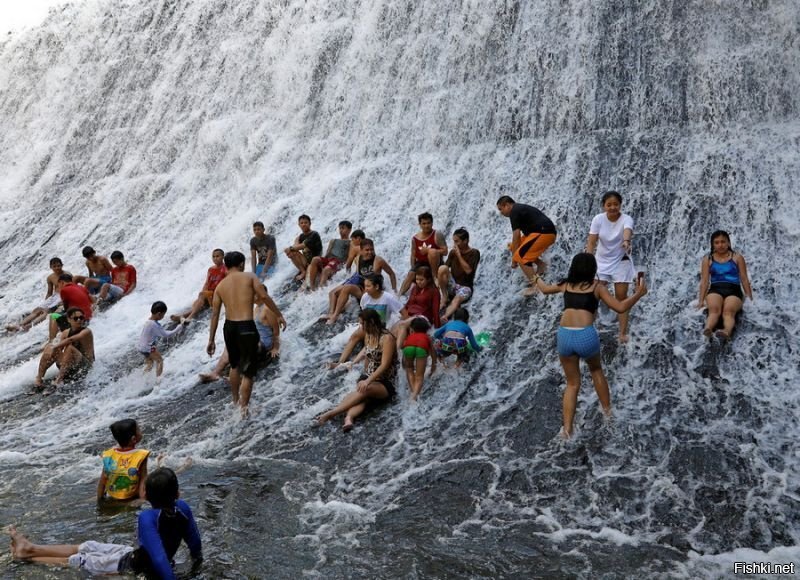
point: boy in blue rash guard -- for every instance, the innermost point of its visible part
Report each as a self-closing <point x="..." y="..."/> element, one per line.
<point x="161" y="531"/>
<point x="456" y="337"/>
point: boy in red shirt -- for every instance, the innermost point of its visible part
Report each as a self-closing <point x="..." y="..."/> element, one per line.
<point x="123" y="279"/>
<point x="214" y="276"/>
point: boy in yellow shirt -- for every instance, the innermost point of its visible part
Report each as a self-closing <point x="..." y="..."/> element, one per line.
<point x="124" y="467"/>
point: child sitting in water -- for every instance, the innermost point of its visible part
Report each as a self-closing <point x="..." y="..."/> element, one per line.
<point x="151" y="333"/>
<point x="416" y="350"/>
<point x="160" y="532"/>
<point x="456" y="338"/>
<point x="124" y="467"/>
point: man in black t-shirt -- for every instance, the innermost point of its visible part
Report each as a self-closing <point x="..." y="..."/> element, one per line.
<point x="262" y="251"/>
<point x="533" y="233"/>
<point x="305" y="248"/>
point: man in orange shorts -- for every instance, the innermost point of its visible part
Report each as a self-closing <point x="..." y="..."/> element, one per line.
<point x="533" y="234"/>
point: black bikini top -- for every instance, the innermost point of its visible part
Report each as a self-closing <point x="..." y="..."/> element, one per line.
<point x="581" y="300"/>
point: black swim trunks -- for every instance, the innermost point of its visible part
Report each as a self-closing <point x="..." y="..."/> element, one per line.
<point x="388" y="384"/>
<point x="241" y="340"/>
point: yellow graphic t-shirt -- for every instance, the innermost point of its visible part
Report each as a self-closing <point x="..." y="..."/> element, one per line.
<point x="122" y="472"/>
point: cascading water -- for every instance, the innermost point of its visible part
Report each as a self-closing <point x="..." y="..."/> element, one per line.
<point x="164" y="129"/>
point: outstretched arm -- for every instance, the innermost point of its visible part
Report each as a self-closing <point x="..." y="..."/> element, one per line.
<point x="621" y="305"/>
<point x="548" y="288"/>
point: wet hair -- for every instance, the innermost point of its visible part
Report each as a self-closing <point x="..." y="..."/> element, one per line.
<point x="304" y="217"/>
<point x="582" y="270"/>
<point x="610" y="194"/>
<point x="424" y="216"/>
<point x="461" y="314"/>
<point x="367" y="242"/>
<point x="504" y="199"/>
<point x="347" y="224"/>
<point x="158" y="307"/>
<point x="215" y="250"/>
<point x="124" y="430"/>
<point x="372" y="321"/>
<point x="117" y="255"/>
<point x="423" y="271"/>
<point x="234" y="260"/>
<point x="161" y="488"/>
<point x="721" y="234"/>
<point x="419" y="324"/>
<point x="258" y="225"/>
<point x="65" y="277"/>
<point x="54" y="261"/>
<point x="73" y="310"/>
<point x="87" y="251"/>
<point x="358" y="234"/>
<point x="462" y="233"/>
<point x="375" y="280"/>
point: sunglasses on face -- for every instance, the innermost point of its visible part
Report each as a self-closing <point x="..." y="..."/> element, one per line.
<point x="78" y="318"/>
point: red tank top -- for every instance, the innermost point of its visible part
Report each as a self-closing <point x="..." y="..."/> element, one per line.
<point x="78" y="297"/>
<point x="430" y="242"/>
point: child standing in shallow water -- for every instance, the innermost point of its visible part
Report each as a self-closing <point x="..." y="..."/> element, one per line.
<point x="416" y="351"/>
<point x="151" y="333"/>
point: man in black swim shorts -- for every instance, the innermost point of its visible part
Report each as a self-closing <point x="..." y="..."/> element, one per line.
<point x="238" y="291"/>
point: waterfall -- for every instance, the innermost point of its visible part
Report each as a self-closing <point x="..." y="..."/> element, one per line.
<point x="164" y="129"/>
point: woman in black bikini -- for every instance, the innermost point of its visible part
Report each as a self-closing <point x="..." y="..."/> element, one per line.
<point x="577" y="336"/>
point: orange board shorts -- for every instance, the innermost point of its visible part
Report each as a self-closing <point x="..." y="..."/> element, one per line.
<point x="532" y="246"/>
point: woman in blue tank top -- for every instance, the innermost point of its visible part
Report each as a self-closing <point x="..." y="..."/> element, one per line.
<point x="723" y="274"/>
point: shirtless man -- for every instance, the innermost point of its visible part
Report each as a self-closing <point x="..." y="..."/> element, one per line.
<point x="238" y="292"/>
<point x="72" y="351"/>
<point x="305" y="248"/>
<point x="51" y="300"/>
<point x="427" y="249"/>
<point x="366" y="264"/>
<point x="99" y="271"/>
<point x="335" y="257"/>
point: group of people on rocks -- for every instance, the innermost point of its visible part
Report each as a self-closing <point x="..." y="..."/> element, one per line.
<point x="416" y="332"/>
<point x="426" y="328"/>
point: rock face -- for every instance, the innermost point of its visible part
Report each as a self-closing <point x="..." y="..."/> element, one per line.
<point x="165" y="128"/>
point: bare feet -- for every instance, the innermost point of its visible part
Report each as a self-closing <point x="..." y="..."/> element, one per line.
<point x="21" y="547"/>
<point x="564" y="434"/>
<point x="623" y="338"/>
<point x="38" y="382"/>
<point x="348" y="425"/>
<point x="209" y="377"/>
<point x="322" y="419"/>
<point x="722" y="335"/>
<point x="12" y="327"/>
<point x="175" y="318"/>
<point x="707" y="332"/>
<point x="331" y="320"/>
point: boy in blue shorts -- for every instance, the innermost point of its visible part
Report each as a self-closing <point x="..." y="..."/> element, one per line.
<point x="160" y="532"/>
